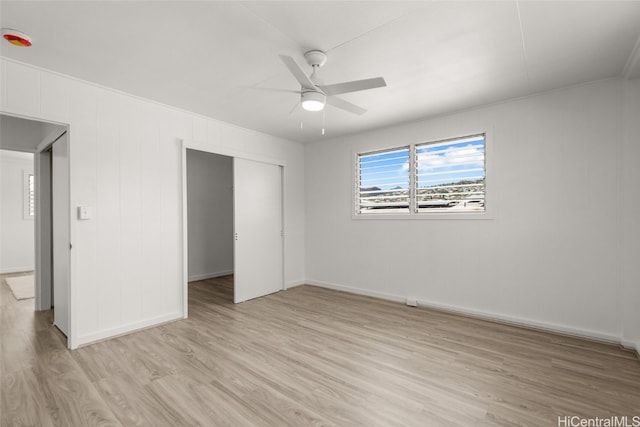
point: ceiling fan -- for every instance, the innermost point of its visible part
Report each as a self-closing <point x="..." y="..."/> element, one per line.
<point x="314" y="94"/>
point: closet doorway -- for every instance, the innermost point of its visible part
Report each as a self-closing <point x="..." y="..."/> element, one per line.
<point x="232" y="224"/>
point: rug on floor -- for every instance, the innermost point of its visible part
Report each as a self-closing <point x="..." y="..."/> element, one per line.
<point x="23" y="287"/>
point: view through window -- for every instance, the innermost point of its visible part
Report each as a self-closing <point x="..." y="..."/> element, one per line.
<point x="441" y="176"/>
<point x="384" y="180"/>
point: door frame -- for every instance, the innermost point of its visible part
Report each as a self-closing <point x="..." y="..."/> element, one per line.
<point x="61" y="241"/>
<point x="43" y="254"/>
<point x="230" y="152"/>
<point x="43" y="225"/>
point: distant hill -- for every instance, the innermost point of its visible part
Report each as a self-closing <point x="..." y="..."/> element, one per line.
<point x="372" y="189"/>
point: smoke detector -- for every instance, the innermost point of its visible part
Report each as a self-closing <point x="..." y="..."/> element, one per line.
<point x="16" y="38"/>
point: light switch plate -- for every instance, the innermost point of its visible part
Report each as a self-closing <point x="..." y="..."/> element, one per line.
<point x="84" y="212"/>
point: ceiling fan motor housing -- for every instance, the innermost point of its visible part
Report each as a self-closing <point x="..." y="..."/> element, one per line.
<point x="315" y="58"/>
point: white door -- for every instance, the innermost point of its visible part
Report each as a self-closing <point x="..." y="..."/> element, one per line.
<point x="61" y="241"/>
<point x="258" y="229"/>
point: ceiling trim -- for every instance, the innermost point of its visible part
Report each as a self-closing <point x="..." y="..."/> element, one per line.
<point x="524" y="47"/>
<point x="632" y="67"/>
<point x="372" y="30"/>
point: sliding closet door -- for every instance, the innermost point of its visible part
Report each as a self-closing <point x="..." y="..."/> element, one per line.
<point x="258" y="229"/>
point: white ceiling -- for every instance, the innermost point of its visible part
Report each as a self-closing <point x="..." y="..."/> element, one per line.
<point x="17" y="134"/>
<point x="218" y="58"/>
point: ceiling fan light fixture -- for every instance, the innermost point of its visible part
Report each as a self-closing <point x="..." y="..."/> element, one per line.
<point x="313" y="100"/>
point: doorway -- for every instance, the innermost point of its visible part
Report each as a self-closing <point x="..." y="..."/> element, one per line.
<point x="243" y="234"/>
<point x="17" y="226"/>
<point x="16" y="217"/>
<point x="210" y="219"/>
<point x="40" y="139"/>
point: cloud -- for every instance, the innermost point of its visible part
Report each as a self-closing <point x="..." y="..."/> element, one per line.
<point x="469" y="155"/>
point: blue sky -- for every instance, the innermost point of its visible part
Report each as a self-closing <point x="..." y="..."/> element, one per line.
<point x="438" y="163"/>
<point x="385" y="170"/>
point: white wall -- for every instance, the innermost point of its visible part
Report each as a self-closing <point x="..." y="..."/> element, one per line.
<point x="549" y="257"/>
<point x="210" y="213"/>
<point x="630" y="230"/>
<point x="125" y="154"/>
<point x="16" y="232"/>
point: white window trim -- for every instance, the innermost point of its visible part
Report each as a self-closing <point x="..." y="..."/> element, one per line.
<point x="25" y="195"/>
<point x="490" y="199"/>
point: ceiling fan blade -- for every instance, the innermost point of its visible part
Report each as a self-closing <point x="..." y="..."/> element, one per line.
<point x="295" y="107"/>
<point x="345" y="105"/>
<point x="354" y="86"/>
<point x="270" y="89"/>
<point x="297" y="72"/>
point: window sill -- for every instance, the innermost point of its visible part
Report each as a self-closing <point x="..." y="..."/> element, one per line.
<point x="425" y="216"/>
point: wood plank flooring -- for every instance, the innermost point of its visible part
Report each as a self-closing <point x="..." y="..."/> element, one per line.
<point x="307" y="356"/>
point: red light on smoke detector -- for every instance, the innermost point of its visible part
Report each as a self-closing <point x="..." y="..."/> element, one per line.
<point x="16" y="38"/>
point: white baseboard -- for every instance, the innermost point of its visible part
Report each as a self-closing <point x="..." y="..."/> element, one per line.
<point x="10" y="270"/>
<point x="126" y="329"/>
<point x="196" y="277"/>
<point x="633" y="346"/>
<point x="294" y="284"/>
<point x="523" y="322"/>
<point x="516" y="321"/>
<point x="359" y="291"/>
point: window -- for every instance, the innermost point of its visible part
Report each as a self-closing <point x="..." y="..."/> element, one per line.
<point x="383" y="181"/>
<point x="29" y="195"/>
<point x="450" y="175"/>
<point x="441" y="176"/>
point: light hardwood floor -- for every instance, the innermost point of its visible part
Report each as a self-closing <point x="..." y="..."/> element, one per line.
<point x="307" y="356"/>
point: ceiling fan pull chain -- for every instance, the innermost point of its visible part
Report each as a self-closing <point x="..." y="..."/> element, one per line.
<point x="323" y="115"/>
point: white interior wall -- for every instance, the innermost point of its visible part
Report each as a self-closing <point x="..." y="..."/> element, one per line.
<point x="630" y="208"/>
<point x="550" y="255"/>
<point x="125" y="154"/>
<point x="210" y="214"/>
<point x="16" y="232"/>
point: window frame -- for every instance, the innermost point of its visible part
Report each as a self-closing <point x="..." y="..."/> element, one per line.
<point x="27" y="199"/>
<point x="357" y="184"/>
<point x="490" y="208"/>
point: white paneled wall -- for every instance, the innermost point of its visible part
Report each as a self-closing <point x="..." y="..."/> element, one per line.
<point x="630" y="208"/>
<point x="125" y="154"/>
<point x="550" y="256"/>
<point x="16" y="230"/>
